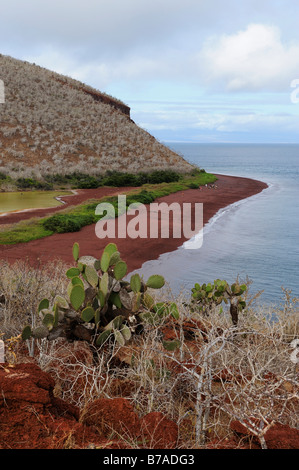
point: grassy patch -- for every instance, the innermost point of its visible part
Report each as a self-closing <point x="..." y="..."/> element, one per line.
<point x="24" y="231"/>
<point x="73" y="219"/>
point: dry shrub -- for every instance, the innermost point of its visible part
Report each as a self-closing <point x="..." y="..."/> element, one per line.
<point x="219" y="374"/>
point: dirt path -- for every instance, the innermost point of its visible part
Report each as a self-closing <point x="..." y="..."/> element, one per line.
<point x="135" y="252"/>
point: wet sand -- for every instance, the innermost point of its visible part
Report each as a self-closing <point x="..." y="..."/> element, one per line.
<point x="226" y="191"/>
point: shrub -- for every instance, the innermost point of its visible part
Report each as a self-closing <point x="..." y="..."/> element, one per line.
<point x="121" y="179"/>
<point x="76" y="179"/>
<point x="31" y="183"/>
<point x="144" y="197"/>
<point x="3" y="176"/>
<point x="62" y="223"/>
<point x="116" y="178"/>
<point x="206" y="296"/>
<point x="163" y="176"/>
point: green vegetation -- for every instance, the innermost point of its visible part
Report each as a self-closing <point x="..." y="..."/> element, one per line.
<point x="32" y="183"/>
<point x="113" y="178"/>
<point x="108" y="302"/>
<point x="4" y="178"/>
<point x="23" y="232"/>
<point x="62" y="223"/>
<point x="73" y="219"/>
<point x="79" y="180"/>
<point x="126" y="179"/>
<point x="206" y="297"/>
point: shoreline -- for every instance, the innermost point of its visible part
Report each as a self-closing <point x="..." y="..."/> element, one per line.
<point x="229" y="189"/>
<point x="78" y="196"/>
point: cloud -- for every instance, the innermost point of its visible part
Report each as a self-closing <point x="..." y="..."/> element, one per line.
<point x="135" y="39"/>
<point x="96" y="28"/>
<point x="131" y="70"/>
<point x="173" y="120"/>
<point x="185" y="59"/>
<point x="250" y="60"/>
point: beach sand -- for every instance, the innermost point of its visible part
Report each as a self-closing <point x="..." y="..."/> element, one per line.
<point x="227" y="190"/>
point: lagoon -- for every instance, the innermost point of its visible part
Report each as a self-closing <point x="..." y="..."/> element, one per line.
<point x="17" y="201"/>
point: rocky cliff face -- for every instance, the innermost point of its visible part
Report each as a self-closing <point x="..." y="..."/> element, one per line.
<point x="110" y="101"/>
<point x="101" y="97"/>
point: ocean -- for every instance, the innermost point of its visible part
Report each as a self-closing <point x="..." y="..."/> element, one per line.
<point x="256" y="238"/>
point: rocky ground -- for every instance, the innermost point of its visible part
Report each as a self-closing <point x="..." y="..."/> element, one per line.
<point x="32" y="416"/>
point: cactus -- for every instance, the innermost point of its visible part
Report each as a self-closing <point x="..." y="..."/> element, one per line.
<point x="159" y="312"/>
<point x="97" y="295"/>
<point x="172" y="345"/>
<point x="40" y="332"/>
<point x="116" y="328"/>
<point x="135" y="283"/>
<point x="72" y="272"/>
<point x="91" y="276"/>
<point x="76" y="251"/>
<point x="105" y="261"/>
<point x="26" y="333"/>
<point x="44" y="304"/>
<point x="120" y="270"/>
<point x="207" y="296"/>
<point x="155" y="281"/>
<point x="48" y="321"/>
<point x="88" y="314"/>
<point x="77" y="296"/>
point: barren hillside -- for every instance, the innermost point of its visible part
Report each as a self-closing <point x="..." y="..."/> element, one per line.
<point x="50" y="123"/>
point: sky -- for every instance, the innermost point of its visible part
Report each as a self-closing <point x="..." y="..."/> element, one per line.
<point x="207" y="71"/>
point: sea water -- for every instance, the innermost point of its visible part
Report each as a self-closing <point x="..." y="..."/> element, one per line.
<point x="256" y="238"/>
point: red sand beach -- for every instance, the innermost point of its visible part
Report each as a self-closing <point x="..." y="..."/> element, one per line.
<point x="135" y="252"/>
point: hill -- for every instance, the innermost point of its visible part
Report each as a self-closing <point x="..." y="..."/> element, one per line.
<point x="51" y="123"/>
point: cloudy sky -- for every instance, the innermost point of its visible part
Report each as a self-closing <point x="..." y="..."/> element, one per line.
<point x="192" y="70"/>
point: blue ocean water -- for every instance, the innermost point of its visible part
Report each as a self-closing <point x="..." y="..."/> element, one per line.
<point x="256" y="238"/>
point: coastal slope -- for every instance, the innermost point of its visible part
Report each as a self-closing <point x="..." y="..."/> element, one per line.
<point x="53" y="124"/>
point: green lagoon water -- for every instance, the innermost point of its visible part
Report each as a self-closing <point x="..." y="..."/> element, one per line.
<point x="14" y="201"/>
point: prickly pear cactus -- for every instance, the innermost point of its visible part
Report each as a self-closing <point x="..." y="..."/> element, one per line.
<point x="205" y="297"/>
<point x="100" y="301"/>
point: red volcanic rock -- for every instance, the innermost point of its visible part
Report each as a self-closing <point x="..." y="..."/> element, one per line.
<point x="279" y="436"/>
<point x="110" y="415"/>
<point x="159" y="432"/>
<point x="25" y="383"/>
<point x="190" y="328"/>
<point x="32" y="418"/>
